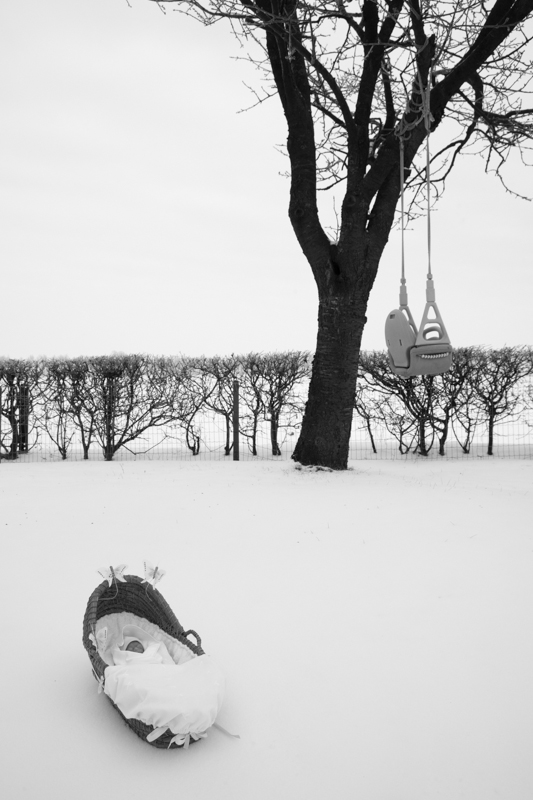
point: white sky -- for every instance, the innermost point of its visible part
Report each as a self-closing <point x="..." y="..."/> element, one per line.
<point x="141" y="213"/>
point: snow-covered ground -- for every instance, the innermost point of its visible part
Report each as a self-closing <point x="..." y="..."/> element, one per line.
<point x="374" y="626"/>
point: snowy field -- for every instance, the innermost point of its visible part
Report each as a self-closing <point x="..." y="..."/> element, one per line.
<point x="374" y="626"/>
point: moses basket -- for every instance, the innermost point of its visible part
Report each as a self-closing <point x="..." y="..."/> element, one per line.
<point x="140" y="599"/>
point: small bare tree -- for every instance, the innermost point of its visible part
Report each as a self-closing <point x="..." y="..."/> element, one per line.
<point x="252" y="393"/>
<point x="368" y="405"/>
<point x="19" y="391"/>
<point x="187" y="399"/>
<point x="400" y="424"/>
<point x="527" y="389"/>
<point x="416" y="396"/>
<point x="453" y="395"/>
<point x="458" y="397"/>
<point x="129" y="395"/>
<point x="55" y="403"/>
<point x="213" y="382"/>
<point x="81" y="391"/>
<point x="282" y="375"/>
<point x="496" y="382"/>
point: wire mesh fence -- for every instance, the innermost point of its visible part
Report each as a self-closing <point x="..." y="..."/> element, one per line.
<point x="140" y="408"/>
<point x="512" y="439"/>
<point x="169" y="442"/>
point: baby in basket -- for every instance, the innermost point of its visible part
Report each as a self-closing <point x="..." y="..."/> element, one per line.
<point x="135" y="646"/>
<point x="148" y="685"/>
<point x="138" y="647"/>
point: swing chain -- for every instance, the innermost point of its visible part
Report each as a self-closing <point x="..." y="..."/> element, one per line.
<point x="403" y="133"/>
<point x="426" y="110"/>
<point x="403" y="286"/>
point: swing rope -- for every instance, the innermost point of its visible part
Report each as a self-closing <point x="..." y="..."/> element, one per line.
<point x="425" y="107"/>
<point x="426" y="110"/>
<point x="403" y="286"/>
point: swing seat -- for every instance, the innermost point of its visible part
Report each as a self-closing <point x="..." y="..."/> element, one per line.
<point x="400" y="335"/>
<point x="412" y="352"/>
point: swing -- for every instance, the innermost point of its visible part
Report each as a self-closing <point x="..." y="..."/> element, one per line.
<point x="425" y="350"/>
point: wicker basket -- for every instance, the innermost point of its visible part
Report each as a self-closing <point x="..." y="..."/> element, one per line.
<point x="144" y="601"/>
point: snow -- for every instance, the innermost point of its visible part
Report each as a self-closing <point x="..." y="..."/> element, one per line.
<point x="374" y="627"/>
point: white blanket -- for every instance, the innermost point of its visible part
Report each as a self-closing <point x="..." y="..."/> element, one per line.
<point x="183" y="697"/>
<point x="166" y="686"/>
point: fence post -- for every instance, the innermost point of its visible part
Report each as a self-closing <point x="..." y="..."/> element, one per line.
<point x="235" y="420"/>
<point x="24" y="418"/>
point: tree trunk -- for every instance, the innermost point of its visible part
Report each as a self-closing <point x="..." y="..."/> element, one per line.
<point x="325" y="435"/>
<point x="274" y="427"/>
<point x="13" y="450"/>
<point x="228" y="445"/>
<point x="24" y="416"/>
<point x="255" y="427"/>
<point x="490" y="448"/>
<point x="85" y="447"/>
<point x="422" y="446"/>
<point x="369" y="429"/>
<point x="109" y="421"/>
<point x="444" y="435"/>
<point x="192" y="439"/>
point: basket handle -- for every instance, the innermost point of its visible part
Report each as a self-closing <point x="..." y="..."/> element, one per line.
<point x="198" y="640"/>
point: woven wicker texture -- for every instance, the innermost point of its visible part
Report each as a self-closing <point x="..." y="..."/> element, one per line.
<point x="143" y="600"/>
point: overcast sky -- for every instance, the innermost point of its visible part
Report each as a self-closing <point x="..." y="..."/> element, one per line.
<point x="140" y="212"/>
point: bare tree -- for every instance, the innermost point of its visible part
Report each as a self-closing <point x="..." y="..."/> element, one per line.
<point x="452" y="396"/>
<point x="281" y="374"/>
<point x="416" y="408"/>
<point x="213" y="383"/>
<point x="9" y="410"/>
<point x="187" y="397"/>
<point x="252" y="393"/>
<point x="356" y="83"/>
<point x="129" y="395"/>
<point x="368" y="405"/>
<point x="116" y="400"/>
<point x="400" y="423"/>
<point x="419" y="398"/>
<point x="81" y="382"/>
<point x="462" y="411"/>
<point x="496" y="381"/>
<point x="55" y="403"/>
<point x="527" y="389"/>
<point x="19" y="391"/>
<point x="431" y="405"/>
